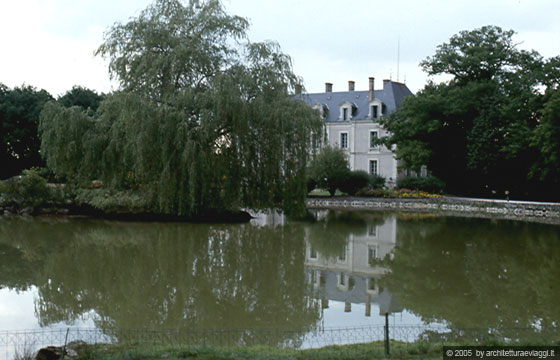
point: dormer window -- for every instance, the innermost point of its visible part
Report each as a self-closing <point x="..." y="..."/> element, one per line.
<point x="375" y="109"/>
<point x="347" y="111"/>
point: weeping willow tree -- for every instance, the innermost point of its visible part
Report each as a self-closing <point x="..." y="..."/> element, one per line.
<point x="203" y="120"/>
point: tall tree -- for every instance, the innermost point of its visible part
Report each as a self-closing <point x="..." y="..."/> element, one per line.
<point x="19" y="116"/>
<point x="547" y="139"/>
<point x="82" y="97"/>
<point x="203" y="122"/>
<point x="474" y="131"/>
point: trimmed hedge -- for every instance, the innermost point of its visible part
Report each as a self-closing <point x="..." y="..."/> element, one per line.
<point x="356" y="180"/>
<point x="429" y="184"/>
<point x="376" y="181"/>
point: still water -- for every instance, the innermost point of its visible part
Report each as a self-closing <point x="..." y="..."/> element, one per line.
<point x="344" y="269"/>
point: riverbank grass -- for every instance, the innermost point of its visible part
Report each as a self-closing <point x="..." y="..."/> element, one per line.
<point x="373" y="350"/>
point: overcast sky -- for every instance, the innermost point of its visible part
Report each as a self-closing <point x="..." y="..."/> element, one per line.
<point x="50" y="43"/>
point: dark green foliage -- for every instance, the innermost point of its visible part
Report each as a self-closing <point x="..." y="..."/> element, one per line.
<point x="28" y="190"/>
<point x="110" y="201"/>
<point x="65" y="135"/>
<point x="202" y="124"/>
<point x="311" y="184"/>
<point x="429" y="184"/>
<point x="356" y="180"/>
<point x="546" y="138"/>
<point x="330" y="169"/>
<point x="19" y="116"/>
<point x="376" y="181"/>
<point x="478" y="131"/>
<point x="82" y="97"/>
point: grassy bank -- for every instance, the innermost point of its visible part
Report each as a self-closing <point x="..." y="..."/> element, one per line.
<point x="359" y="351"/>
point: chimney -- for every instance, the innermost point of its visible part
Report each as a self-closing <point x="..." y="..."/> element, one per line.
<point x="328" y="87"/>
<point x="385" y="82"/>
<point x="351" y="85"/>
<point x="371" y="88"/>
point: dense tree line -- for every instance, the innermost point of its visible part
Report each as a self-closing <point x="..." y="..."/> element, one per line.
<point x="493" y="127"/>
<point x="19" y="115"/>
<point x="20" y="108"/>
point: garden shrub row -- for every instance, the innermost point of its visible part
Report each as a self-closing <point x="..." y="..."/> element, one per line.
<point x="429" y="184"/>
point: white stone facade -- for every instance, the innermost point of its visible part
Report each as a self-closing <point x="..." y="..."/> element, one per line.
<point x="352" y="120"/>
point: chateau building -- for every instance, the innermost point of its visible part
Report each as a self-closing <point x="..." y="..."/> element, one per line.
<point x="352" y="123"/>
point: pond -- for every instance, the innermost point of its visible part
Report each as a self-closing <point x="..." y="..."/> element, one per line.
<point x="346" y="269"/>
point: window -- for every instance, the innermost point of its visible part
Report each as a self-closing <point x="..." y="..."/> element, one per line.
<point x="345" y="114"/>
<point x="372" y="230"/>
<point x="373" y="167"/>
<point x="373" y="136"/>
<point x="312" y="253"/>
<point x="344" y="140"/>
<point x="374" y="111"/>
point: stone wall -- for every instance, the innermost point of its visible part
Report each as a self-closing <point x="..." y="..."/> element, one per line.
<point x="522" y="210"/>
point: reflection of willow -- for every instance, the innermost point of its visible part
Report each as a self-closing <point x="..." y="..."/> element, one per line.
<point x="499" y="276"/>
<point x="22" y="260"/>
<point x="179" y="276"/>
<point x="329" y="236"/>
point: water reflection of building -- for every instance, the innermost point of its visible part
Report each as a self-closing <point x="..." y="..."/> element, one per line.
<point x="268" y="218"/>
<point x="353" y="277"/>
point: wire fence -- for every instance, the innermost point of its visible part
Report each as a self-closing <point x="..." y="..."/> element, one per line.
<point x="15" y="343"/>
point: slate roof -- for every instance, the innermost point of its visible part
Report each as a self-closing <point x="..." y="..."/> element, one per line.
<point x="391" y="96"/>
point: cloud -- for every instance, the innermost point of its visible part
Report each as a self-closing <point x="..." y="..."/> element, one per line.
<point x="49" y="43"/>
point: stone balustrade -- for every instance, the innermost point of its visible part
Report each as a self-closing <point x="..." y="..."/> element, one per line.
<point x="549" y="212"/>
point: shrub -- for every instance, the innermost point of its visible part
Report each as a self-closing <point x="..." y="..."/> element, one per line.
<point x="429" y="184"/>
<point x="111" y="201"/>
<point x="376" y="181"/>
<point x="356" y="180"/>
<point x="370" y="192"/>
<point x="329" y="169"/>
<point x="28" y="190"/>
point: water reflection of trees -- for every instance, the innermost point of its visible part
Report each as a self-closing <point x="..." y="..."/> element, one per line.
<point x="473" y="273"/>
<point x="165" y="276"/>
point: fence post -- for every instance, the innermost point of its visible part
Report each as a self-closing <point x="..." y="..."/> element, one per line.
<point x="65" y="343"/>
<point x="387" y="334"/>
